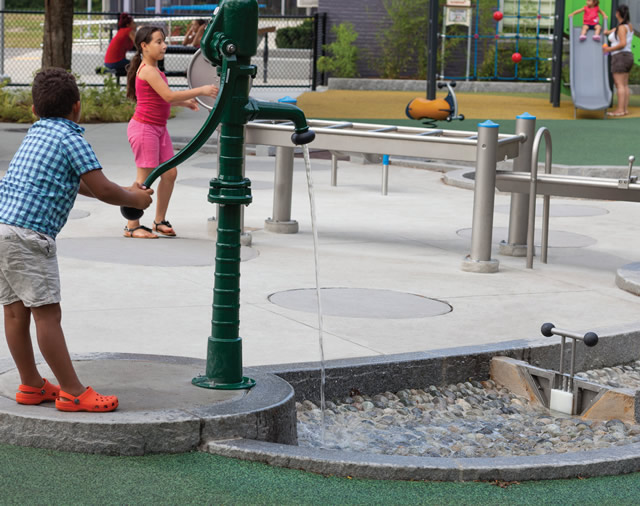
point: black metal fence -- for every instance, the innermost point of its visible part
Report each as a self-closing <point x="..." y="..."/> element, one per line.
<point x="287" y="51"/>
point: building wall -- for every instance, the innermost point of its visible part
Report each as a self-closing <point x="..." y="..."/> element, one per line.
<point x="367" y="17"/>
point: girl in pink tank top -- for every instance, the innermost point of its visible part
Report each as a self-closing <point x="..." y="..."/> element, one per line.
<point x="591" y="19"/>
<point x="147" y="130"/>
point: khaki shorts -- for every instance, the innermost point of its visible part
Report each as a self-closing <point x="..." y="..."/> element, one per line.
<point x="28" y="267"/>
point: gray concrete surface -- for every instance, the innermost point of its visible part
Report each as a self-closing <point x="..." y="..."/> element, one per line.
<point x="154" y="297"/>
<point x="409" y="241"/>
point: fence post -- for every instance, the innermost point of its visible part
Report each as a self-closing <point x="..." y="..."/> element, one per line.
<point x="314" y="63"/>
<point x="3" y="76"/>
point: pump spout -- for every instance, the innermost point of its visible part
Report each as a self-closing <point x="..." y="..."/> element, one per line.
<point x="271" y="110"/>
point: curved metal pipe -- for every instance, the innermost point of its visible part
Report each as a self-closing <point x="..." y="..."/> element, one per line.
<point x="532" y="197"/>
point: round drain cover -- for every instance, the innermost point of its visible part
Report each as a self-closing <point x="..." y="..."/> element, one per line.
<point x="557" y="238"/>
<point x="562" y="210"/>
<point x="162" y="252"/>
<point x="361" y="303"/>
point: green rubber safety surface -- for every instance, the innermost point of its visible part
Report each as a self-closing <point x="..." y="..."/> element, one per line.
<point x="34" y="476"/>
<point x="574" y="142"/>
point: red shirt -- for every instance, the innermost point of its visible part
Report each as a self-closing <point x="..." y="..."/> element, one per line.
<point x="119" y="46"/>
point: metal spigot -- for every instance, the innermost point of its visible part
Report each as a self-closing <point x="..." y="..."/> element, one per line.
<point x="624" y="183"/>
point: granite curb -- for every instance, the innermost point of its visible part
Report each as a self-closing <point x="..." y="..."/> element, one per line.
<point x="267" y="411"/>
<point x="602" y="462"/>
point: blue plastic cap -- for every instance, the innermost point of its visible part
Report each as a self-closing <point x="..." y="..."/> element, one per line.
<point x="488" y="124"/>
<point x="288" y="100"/>
<point x="525" y="115"/>
<point x="385" y="159"/>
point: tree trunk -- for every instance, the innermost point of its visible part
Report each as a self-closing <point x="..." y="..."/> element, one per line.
<point x="58" y="33"/>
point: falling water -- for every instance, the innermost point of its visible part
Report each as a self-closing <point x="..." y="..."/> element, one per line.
<point x="314" y="228"/>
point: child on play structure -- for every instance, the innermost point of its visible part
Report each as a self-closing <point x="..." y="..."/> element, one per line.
<point x="591" y="19"/>
<point x="147" y="130"/>
<point x="53" y="163"/>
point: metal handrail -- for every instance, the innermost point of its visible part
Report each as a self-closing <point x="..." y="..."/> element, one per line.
<point x="532" y="197"/>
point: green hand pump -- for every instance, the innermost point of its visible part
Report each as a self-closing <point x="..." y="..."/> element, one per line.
<point x="229" y="42"/>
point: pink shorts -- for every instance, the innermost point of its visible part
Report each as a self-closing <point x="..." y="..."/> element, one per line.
<point x="151" y="144"/>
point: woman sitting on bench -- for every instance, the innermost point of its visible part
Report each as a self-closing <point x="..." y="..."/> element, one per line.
<point x="195" y="33"/>
<point x="122" y="42"/>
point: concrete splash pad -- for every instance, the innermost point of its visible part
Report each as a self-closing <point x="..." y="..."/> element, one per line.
<point x="160" y="411"/>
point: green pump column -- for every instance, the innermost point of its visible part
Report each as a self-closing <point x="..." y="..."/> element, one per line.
<point x="239" y="20"/>
<point x="229" y="42"/>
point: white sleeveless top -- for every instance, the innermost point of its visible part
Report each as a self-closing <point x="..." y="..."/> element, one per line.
<point x="613" y="39"/>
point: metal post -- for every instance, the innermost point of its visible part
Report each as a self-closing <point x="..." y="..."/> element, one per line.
<point x="432" y="48"/>
<point x="516" y="244"/>
<point x="334" y="170"/>
<point x="556" y="65"/>
<point x="385" y="174"/>
<point x="314" y="64"/>
<point x="3" y="76"/>
<point x="281" y="222"/>
<point x="483" y="200"/>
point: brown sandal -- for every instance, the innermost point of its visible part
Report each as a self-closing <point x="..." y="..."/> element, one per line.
<point x="129" y="232"/>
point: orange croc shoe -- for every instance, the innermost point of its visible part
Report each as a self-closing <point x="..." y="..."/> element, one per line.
<point x="90" y="400"/>
<point x="33" y="395"/>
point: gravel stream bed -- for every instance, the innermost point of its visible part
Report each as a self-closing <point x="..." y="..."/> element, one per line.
<point x="472" y="419"/>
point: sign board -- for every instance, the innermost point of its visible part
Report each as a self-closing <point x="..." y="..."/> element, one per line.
<point x="307" y="3"/>
<point x="457" y="16"/>
<point x="458" y="3"/>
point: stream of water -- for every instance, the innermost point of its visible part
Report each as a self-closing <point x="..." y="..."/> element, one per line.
<point x="314" y="228"/>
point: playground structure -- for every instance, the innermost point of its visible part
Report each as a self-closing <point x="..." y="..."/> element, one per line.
<point x="519" y="23"/>
<point x="590" y="85"/>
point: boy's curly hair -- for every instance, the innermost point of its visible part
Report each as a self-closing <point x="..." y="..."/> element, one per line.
<point x="54" y="92"/>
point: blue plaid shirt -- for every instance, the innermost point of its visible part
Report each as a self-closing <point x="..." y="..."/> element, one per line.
<point x="41" y="185"/>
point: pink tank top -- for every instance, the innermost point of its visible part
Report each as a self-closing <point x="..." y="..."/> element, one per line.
<point x="151" y="107"/>
<point x="591" y="16"/>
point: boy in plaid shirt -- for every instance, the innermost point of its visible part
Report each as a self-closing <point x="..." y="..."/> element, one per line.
<point x="54" y="163"/>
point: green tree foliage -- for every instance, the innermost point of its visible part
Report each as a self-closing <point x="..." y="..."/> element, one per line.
<point x="402" y="41"/>
<point x="296" y="37"/>
<point x="342" y="59"/>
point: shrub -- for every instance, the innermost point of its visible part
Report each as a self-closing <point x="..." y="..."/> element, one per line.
<point x="107" y="104"/>
<point x="296" y="37"/>
<point x="343" y="54"/>
<point x="526" y="68"/>
<point x="15" y="106"/>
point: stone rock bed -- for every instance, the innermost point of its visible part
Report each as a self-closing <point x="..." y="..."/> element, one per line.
<point x="472" y="419"/>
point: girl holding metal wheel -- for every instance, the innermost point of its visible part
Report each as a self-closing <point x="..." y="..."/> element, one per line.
<point x="147" y="131"/>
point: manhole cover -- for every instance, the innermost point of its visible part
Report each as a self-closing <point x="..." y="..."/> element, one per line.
<point x="361" y="303"/>
<point x="557" y="238"/>
<point x="162" y="252"/>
